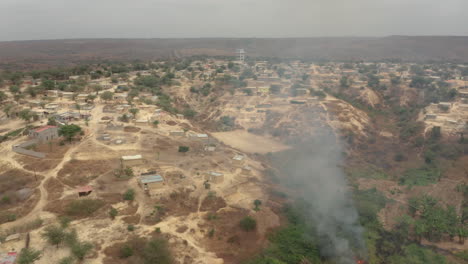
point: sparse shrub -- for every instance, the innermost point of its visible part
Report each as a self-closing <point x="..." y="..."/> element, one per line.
<point x="183" y="149"/>
<point x="80" y="249"/>
<point x="83" y="207"/>
<point x="28" y="256"/>
<point x="131" y="228"/>
<point x="399" y="157"/>
<point x="6" y="199"/>
<point x="67" y="260"/>
<point x="257" y="203"/>
<point x="64" y="221"/>
<point x="126" y="251"/>
<point x="248" y="223"/>
<point x="158" y="230"/>
<point x="11" y="217"/>
<point x="55" y="235"/>
<point x="211" y="233"/>
<point x="113" y="213"/>
<point x="129" y="195"/>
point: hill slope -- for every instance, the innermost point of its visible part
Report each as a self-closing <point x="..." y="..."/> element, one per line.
<point x="46" y="53"/>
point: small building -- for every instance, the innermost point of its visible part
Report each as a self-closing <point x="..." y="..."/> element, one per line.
<point x="52" y="107"/>
<point x="44" y="133"/>
<point x="141" y="122"/>
<point x="301" y="91"/>
<point x="151" y="182"/>
<point x="134" y="160"/>
<point x="68" y="95"/>
<point x="238" y="159"/>
<point x="214" y="177"/>
<point x="246" y="170"/>
<point x="444" y="106"/>
<point x="199" y="137"/>
<point x="177" y="133"/>
<point x="84" y="190"/>
<point x="431" y="117"/>
<point x="52" y="93"/>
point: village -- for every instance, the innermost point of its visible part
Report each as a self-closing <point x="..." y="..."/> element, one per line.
<point x="193" y="130"/>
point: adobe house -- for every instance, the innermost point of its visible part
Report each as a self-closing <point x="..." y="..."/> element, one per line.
<point x="151" y="182"/>
<point x="44" y="133"/>
<point x="134" y="160"/>
<point x="214" y="177"/>
<point x="84" y="190"/>
<point x="238" y="159"/>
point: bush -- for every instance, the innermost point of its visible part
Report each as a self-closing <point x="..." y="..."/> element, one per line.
<point x="183" y="149"/>
<point x="129" y="195"/>
<point x="125" y="251"/>
<point x="131" y="228"/>
<point x="248" y="223"/>
<point x="157" y="251"/>
<point x="420" y="176"/>
<point x="113" y="212"/>
<point x="28" y="256"/>
<point x="80" y="249"/>
<point x="399" y="157"/>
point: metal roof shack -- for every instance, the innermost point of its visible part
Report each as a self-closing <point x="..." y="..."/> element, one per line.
<point x="84" y="190"/>
<point x="134" y="157"/>
<point x="44" y="128"/>
<point x="151" y="179"/>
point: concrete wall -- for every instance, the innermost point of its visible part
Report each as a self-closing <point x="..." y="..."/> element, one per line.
<point x="21" y="149"/>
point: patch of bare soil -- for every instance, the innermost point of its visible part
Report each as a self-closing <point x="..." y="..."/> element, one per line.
<point x="212" y="203"/>
<point x="81" y="172"/>
<point x="54" y="189"/>
<point x="225" y="237"/>
<point x="178" y="203"/>
<point x="54" y="154"/>
<point x="243" y="140"/>
<point x="171" y="123"/>
<point x="132" y="220"/>
<point x="132" y="129"/>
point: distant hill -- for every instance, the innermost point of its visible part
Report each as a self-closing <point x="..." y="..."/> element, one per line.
<point x="51" y="53"/>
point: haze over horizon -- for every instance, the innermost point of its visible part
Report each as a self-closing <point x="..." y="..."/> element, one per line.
<point x="64" y="19"/>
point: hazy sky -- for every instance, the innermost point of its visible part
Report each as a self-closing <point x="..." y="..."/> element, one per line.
<point x="57" y="19"/>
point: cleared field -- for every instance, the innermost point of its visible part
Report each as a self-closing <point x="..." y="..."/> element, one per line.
<point x="245" y="141"/>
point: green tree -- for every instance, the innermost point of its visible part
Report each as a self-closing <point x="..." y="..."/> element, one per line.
<point x="134" y="111"/>
<point x="129" y="195"/>
<point x="107" y="96"/>
<point x="26" y="115"/>
<point x="80" y="249"/>
<point x="248" y="223"/>
<point x="183" y="149"/>
<point x="113" y="213"/>
<point x="69" y="131"/>
<point x="28" y="256"/>
<point x="14" y="89"/>
<point x="344" y="82"/>
<point x="67" y="260"/>
<point x="55" y="235"/>
<point x="3" y="96"/>
<point x="257" y="203"/>
<point x="157" y="251"/>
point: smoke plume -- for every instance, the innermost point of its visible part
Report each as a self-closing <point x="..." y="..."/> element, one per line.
<point x="312" y="170"/>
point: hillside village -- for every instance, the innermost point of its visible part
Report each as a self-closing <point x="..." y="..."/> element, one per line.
<point x="180" y="149"/>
